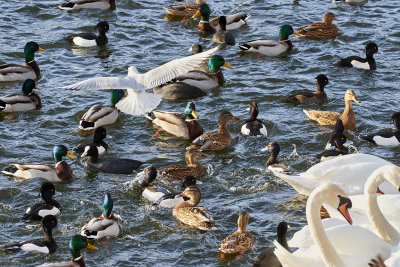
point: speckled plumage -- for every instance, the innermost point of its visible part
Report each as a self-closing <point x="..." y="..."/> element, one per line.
<point x="320" y="30"/>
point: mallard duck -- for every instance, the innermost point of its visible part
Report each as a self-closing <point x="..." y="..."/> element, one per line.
<point x="60" y="172"/>
<point x="31" y="70"/>
<point x="186" y="9"/>
<point x="239" y="241"/>
<point x="99" y="115"/>
<point x="77" y="243"/>
<point x="48" y="245"/>
<point x="78" y="5"/>
<point x="220" y="139"/>
<point x="271" y="48"/>
<point x="320" y="30"/>
<point x="105" y="225"/>
<point x="138" y="102"/>
<point x="307" y="97"/>
<point x="272" y="163"/>
<point x="193" y="167"/>
<point x="90" y="39"/>
<point x="49" y="206"/>
<point x="27" y="101"/>
<point x="267" y="257"/>
<point x="338" y="135"/>
<point x="98" y="137"/>
<point x="386" y="137"/>
<point x="109" y="164"/>
<point x="189" y="214"/>
<point x="183" y="125"/>
<point x="330" y="117"/>
<point x="221" y="36"/>
<point x="254" y="126"/>
<point x="367" y="63"/>
<point x="233" y="22"/>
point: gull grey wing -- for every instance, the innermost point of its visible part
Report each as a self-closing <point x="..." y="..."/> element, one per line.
<point x="104" y="83"/>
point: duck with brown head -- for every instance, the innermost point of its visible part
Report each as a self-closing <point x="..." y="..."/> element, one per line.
<point x="321" y="30"/>
<point x="307" y="97"/>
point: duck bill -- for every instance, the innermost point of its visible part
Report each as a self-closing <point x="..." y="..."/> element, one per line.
<point x="357" y="101"/>
<point x="297" y="34"/>
<point x="335" y="19"/>
<point x="194" y="114"/>
<point x="378" y="191"/>
<point x="41" y="49"/>
<point x="198" y="14"/>
<point x="36" y="87"/>
<point x="90" y="246"/>
<point x="236" y="119"/>
<point x="69" y="154"/>
<point x="345" y="212"/>
<point x="227" y="65"/>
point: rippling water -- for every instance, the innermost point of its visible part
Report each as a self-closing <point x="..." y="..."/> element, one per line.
<point x="236" y="177"/>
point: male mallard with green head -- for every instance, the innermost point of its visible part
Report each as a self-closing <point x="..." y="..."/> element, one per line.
<point x="25" y="102"/>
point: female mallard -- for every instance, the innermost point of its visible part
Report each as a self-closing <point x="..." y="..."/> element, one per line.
<point x="254" y="126"/>
<point x="320" y="30"/>
<point x="193" y="167"/>
<point x="189" y="214"/>
<point x="27" y="101"/>
<point x="239" y="241"/>
<point x="78" y="5"/>
<point x="48" y="245"/>
<point x="307" y="97"/>
<point x="109" y="164"/>
<point x="98" y="137"/>
<point x="367" y="63"/>
<point x="187" y="9"/>
<point x="77" y="243"/>
<point x="271" y="48"/>
<point x="49" y="206"/>
<point x="31" y="70"/>
<point x="221" y="36"/>
<point x="386" y="137"/>
<point x="184" y="125"/>
<point x="105" y="225"/>
<point x="220" y="139"/>
<point x="272" y="163"/>
<point x="90" y="39"/>
<point x="330" y="118"/>
<point x="99" y="115"/>
<point x="60" y="172"/>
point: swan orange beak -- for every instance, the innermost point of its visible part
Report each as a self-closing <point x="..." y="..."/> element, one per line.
<point x="378" y="191"/>
<point x="89" y="246"/>
<point x="345" y="212"/>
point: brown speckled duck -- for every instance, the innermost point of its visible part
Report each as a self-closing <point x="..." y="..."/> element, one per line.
<point x="307" y="97"/>
<point x="187" y="9"/>
<point x="188" y="213"/>
<point x="220" y="139"/>
<point x="320" y="30"/>
<point x="330" y="118"/>
<point x="239" y="241"/>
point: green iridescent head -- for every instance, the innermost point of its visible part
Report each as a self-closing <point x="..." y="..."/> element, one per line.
<point x="204" y="11"/>
<point x="107" y="205"/>
<point x="28" y="86"/>
<point x="190" y="112"/>
<point x="285" y="32"/>
<point x="116" y="96"/>
<point x="216" y="62"/>
<point x="60" y="151"/>
<point x="77" y="243"/>
<point x="30" y="49"/>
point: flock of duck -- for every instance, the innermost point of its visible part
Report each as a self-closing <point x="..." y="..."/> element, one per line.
<point x="357" y="207"/>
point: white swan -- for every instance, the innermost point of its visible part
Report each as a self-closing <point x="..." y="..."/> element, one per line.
<point x="138" y="102"/>
<point x="348" y="171"/>
<point x="343" y="245"/>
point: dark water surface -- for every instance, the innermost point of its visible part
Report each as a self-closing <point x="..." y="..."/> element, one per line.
<point x="235" y="177"/>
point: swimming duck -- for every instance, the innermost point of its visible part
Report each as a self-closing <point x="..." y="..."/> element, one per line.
<point x="271" y="48"/>
<point x="98" y="137"/>
<point x="186" y="9"/>
<point x="138" y="102"/>
<point x="254" y="126"/>
<point x="99" y="115"/>
<point x="307" y="97"/>
<point x="272" y="163"/>
<point x="267" y="258"/>
<point x="60" y="172"/>
<point x="90" y="39"/>
<point x="189" y="214"/>
<point x="171" y="200"/>
<point x="109" y="164"/>
<point x="221" y="36"/>
<point x="183" y="125"/>
<point x="239" y="241"/>
<point x="330" y="117"/>
<point x="386" y="137"/>
<point x="193" y="167"/>
<point x="77" y="243"/>
<point x="48" y="245"/>
<point x="320" y="30"/>
<point x="220" y="139"/>
<point x="49" y="206"/>
<point x="367" y="63"/>
<point x="78" y="5"/>
<point x="31" y="70"/>
<point x="105" y="225"/>
<point x="27" y="101"/>
<point x="233" y="22"/>
<point x="196" y="48"/>
<point x="338" y="135"/>
<point x="338" y="149"/>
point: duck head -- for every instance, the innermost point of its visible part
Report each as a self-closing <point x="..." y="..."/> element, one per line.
<point x="274" y="148"/>
<point x="102" y="27"/>
<point x="60" y="151"/>
<point x="282" y="230"/>
<point x="99" y="134"/>
<point x="253" y="111"/>
<point x="243" y="221"/>
<point x="225" y="117"/>
<point x="196" y="48"/>
<point x="47" y="191"/>
<point x="350" y="96"/>
<point x="117" y="95"/>
<point x="370" y="49"/>
<point x="396" y="120"/>
<point x="285" y="32"/>
<point x="151" y="174"/>
<point x="339" y="127"/>
<point x="28" y="87"/>
<point x="188" y="181"/>
<point x="77" y="243"/>
<point x="30" y="49"/>
<point x="328" y="18"/>
<point x="322" y="80"/>
<point x="216" y="62"/>
<point x="204" y="11"/>
<point x="192" y="153"/>
<point x="190" y="112"/>
<point x="107" y="206"/>
<point x="48" y="223"/>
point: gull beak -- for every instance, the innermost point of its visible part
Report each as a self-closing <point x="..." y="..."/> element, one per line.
<point x="69" y="154"/>
<point x="41" y="49"/>
<point x="227" y="65"/>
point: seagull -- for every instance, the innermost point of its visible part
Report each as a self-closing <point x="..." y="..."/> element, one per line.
<point x="138" y="102"/>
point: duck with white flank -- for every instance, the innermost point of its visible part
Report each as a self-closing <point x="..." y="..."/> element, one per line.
<point x="254" y="126"/>
<point x="90" y="39"/>
<point x="386" y="137"/>
<point x="367" y="63"/>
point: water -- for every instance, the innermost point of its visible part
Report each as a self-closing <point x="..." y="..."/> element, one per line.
<point x="236" y="177"/>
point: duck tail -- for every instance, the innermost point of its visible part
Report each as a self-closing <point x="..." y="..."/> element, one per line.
<point x="244" y="46"/>
<point x="10" y="170"/>
<point x="67" y="6"/>
<point x="369" y="138"/>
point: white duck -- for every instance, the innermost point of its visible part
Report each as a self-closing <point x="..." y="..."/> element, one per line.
<point x="348" y="171"/>
<point x="138" y="102"/>
<point x="343" y="245"/>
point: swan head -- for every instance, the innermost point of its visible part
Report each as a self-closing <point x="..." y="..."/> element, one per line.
<point x="390" y="173"/>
